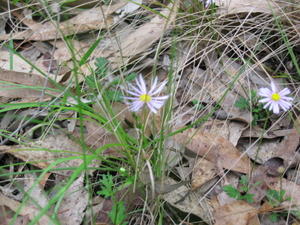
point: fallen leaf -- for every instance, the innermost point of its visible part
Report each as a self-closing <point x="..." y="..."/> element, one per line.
<point x="237" y="211"/>
<point x="215" y="149"/>
<point x="72" y="207"/>
<point x="259" y="151"/>
<point x="203" y="171"/>
<point x="43" y="152"/>
<point x="256" y="132"/>
<point x="20" y="65"/>
<point x="216" y="82"/>
<point x="29" y="211"/>
<point x="287" y="148"/>
<point x="227" y="7"/>
<point x="91" y="19"/>
<point x="34" y="191"/>
<point x="139" y="40"/>
<point x="11" y="83"/>
<point x="188" y="202"/>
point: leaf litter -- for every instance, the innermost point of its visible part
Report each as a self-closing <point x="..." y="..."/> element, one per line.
<point x="258" y="162"/>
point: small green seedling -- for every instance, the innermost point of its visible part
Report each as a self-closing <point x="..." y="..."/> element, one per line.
<point x="109" y="189"/>
<point x="198" y="105"/>
<point x="275" y="198"/>
<point x="253" y="105"/>
<point x="242" y="192"/>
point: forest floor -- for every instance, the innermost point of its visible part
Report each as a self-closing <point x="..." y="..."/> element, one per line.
<point x="149" y="112"/>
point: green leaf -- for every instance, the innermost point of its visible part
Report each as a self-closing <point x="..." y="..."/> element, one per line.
<point x="108" y="186"/>
<point x="232" y="191"/>
<point x="91" y="81"/>
<point x="244" y="180"/>
<point x="128" y="78"/>
<point x="275" y="197"/>
<point x="273" y="217"/>
<point x="114" y="96"/>
<point x="242" y="103"/>
<point x="198" y="105"/>
<point x="101" y="64"/>
<point x="118" y="213"/>
<point x="85" y="57"/>
<point x="247" y="197"/>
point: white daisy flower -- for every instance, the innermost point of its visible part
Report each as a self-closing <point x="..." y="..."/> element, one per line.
<point x="142" y="96"/>
<point x="274" y="99"/>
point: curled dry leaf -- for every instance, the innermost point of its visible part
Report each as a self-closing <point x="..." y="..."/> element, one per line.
<point x="215" y="149"/>
<point x="92" y="19"/>
<point x="237" y="211"/>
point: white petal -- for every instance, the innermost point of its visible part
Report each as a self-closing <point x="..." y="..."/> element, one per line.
<point x="284" y="105"/>
<point x="133" y="93"/>
<point x="265" y="92"/>
<point x="150" y="106"/>
<point x="153" y="85"/>
<point x="273" y="87"/>
<point x="157" y="104"/>
<point x="287" y="98"/>
<point x="131" y="98"/>
<point x="284" y="92"/>
<point x="275" y="107"/>
<point x="137" y="90"/>
<point x="136" y="106"/>
<point x="264" y="100"/>
<point x="267" y="105"/>
<point x="161" y="97"/>
<point x="142" y="84"/>
<point x="159" y="89"/>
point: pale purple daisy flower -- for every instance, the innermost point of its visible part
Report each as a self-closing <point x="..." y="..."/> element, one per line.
<point x="142" y="96"/>
<point x="207" y="3"/>
<point x="275" y="99"/>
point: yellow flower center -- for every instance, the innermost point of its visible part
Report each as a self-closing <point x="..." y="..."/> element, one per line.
<point x="145" y="98"/>
<point x="275" y="97"/>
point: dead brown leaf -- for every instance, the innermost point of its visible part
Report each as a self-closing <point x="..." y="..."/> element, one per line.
<point x="203" y="171"/>
<point x="42" y="153"/>
<point x="9" y="81"/>
<point x="257" y="132"/>
<point x="141" y="39"/>
<point x="189" y="203"/>
<point x="29" y="211"/>
<point x="287" y="148"/>
<point x="215" y="149"/>
<point x="247" y="6"/>
<point x="91" y="19"/>
<point x="74" y="203"/>
<point x="236" y="212"/>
